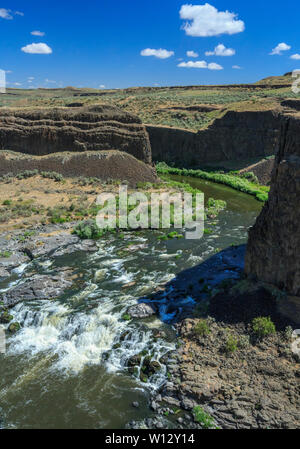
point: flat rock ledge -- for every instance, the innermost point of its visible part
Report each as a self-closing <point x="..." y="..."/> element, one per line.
<point x="39" y="287"/>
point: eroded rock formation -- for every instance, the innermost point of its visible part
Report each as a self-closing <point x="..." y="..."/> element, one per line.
<point x="273" y="254"/>
<point x="96" y="128"/>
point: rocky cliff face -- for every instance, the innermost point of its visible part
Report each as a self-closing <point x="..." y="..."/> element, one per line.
<point x="236" y="136"/>
<point x="44" y="131"/>
<point x="273" y="252"/>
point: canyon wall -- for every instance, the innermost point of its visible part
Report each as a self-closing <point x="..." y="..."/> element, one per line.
<point x="273" y="254"/>
<point x="235" y="136"/>
<point x="96" y="128"/>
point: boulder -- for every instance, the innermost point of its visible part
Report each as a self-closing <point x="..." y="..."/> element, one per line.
<point x="142" y="310"/>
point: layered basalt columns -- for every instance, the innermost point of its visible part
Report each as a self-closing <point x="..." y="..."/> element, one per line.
<point x="44" y="131"/>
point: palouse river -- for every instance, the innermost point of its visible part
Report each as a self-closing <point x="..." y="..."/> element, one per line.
<point x="66" y="368"/>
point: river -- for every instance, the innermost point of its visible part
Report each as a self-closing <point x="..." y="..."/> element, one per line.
<point x="66" y="368"/>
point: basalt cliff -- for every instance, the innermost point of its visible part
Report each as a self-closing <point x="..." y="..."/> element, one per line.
<point x="235" y="136"/>
<point x="274" y="241"/>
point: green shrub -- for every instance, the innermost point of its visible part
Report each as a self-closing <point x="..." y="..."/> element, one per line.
<point x="202" y="328"/>
<point x="88" y="230"/>
<point x="262" y="327"/>
<point x="231" y="344"/>
<point x="204" y="419"/>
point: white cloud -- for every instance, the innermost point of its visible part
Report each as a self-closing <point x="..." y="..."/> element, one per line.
<point x="214" y="66"/>
<point x="295" y="56"/>
<point x="237" y="67"/>
<point x="101" y="86"/>
<point x="8" y="14"/>
<point x="194" y="64"/>
<point x="37" y="49"/>
<point x="221" y="50"/>
<point x="192" y="54"/>
<point x="206" y="20"/>
<point x="50" y="81"/>
<point x="160" y="53"/>
<point x="200" y="65"/>
<point x="17" y="84"/>
<point x="280" y="48"/>
<point x="31" y="78"/>
<point x="38" y="33"/>
<point x="5" y="14"/>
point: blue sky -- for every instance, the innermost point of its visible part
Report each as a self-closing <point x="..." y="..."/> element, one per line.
<point x="99" y="43"/>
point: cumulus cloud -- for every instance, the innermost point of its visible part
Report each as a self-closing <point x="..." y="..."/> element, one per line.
<point x="237" y="67"/>
<point x="280" y="48"/>
<point x="160" y="53"/>
<point x="5" y="14"/>
<point x="206" y="20"/>
<point x="37" y="33"/>
<point x="192" y="54"/>
<point x="102" y="86"/>
<point x="200" y="65"/>
<point x="295" y="56"/>
<point x="214" y="66"/>
<point x="37" y="49"/>
<point x="221" y="50"/>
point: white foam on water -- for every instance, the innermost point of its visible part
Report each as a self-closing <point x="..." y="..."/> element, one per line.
<point x="77" y="338"/>
<point x="20" y="269"/>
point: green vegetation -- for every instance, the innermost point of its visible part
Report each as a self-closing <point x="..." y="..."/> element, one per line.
<point x="14" y="327"/>
<point x="202" y="328"/>
<point x="5" y="316"/>
<point x="204" y="419"/>
<point x="170" y="235"/>
<point x="262" y="327"/>
<point x="231" y="344"/>
<point x="9" y="177"/>
<point x="241" y="184"/>
<point x="88" y="230"/>
<point x="5" y="254"/>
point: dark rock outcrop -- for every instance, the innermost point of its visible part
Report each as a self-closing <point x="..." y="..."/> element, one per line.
<point x="273" y="249"/>
<point x="235" y="136"/>
<point x="38" y="287"/>
<point x="96" y="128"/>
